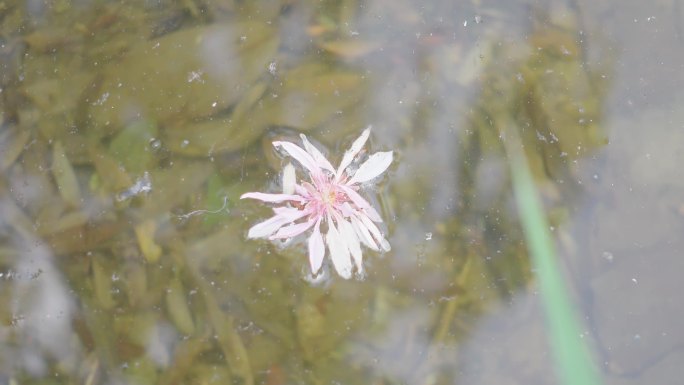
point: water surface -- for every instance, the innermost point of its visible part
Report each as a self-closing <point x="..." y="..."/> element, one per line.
<point x="130" y="129"/>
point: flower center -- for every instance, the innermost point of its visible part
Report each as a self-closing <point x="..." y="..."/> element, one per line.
<point x="329" y="197"/>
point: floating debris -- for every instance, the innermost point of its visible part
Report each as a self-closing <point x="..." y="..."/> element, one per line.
<point x="142" y="185"/>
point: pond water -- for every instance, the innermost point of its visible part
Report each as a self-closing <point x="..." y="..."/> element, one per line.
<point x="130" y="129"/>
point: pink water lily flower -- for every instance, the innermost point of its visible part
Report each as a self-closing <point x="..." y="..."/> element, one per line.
<point x="331" y="198"/>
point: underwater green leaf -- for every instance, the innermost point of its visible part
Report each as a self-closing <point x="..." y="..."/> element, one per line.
<point x="311" y="94"/>
<point x="102" y="283"/>
<point x="65" y="176"/>
<point x="178" y="309"/>
<point x="219" y="134"/>
<point x="12" y="142"/>
<point x="144" y="232"/>
<point x="194" y="72"/>
<point x="131" y="146"/>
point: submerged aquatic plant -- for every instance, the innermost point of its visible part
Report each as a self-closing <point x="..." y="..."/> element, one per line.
<point x="331" y="198"/>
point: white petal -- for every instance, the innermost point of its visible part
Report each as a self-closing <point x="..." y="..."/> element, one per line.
<point x="355" y="197"/>
<point x="301" y="190"/>
<point x="385" y="245"/>
<point x="363" y="234"/>
<point x="374" y="166"/>
<point x="353" y="150"/>
<point x="289" y="179"/>
<point x="362" y="203"/>
<point x="267" y="227"/>
<point x="272" y="198"/>
<point x="375" y="232"/>
<point x="317" y="155"/>
<point x="316" y="248"/>
<point x="291" y="213"/>
<point x="292" y="230"/>
<point x="347" y="210"/>
<point x="310" y="189"/>
<point x="348" y="236"/>
<point x="300" y="155"/>
<point x="338" y="252"/>
<point x="372" y="214"/>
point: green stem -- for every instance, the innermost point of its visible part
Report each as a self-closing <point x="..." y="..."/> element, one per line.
<point x="572" y="356"/>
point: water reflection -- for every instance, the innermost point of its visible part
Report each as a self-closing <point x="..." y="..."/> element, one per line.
<point x="174" y="107"/>
<point x="40" y="306"/>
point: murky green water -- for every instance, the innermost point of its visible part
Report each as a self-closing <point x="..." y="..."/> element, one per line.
<point x="130" y="129"/>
